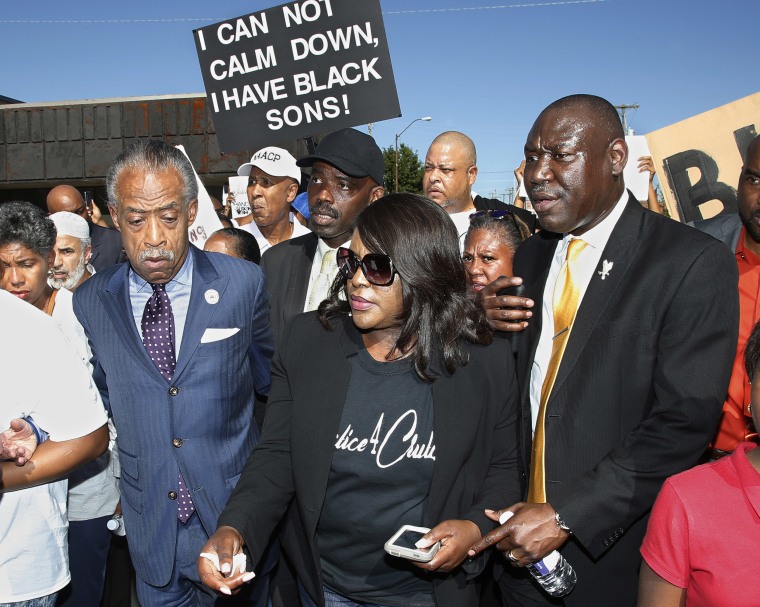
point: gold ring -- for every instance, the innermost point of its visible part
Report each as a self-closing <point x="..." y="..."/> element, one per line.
<point x="512" y="557"/>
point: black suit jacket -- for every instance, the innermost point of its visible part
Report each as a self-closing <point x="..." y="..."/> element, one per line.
<point x="475" y="425"/>
<point x="639" y="389"/>
<point x="287" y="267"/>
<point x="106" y="247"/>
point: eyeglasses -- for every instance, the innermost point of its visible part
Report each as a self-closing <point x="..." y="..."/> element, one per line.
<point x="377" y="268"/>
<point x="496" y="214"/>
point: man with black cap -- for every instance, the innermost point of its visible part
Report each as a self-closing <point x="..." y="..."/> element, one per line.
<point x="346" y="176"/>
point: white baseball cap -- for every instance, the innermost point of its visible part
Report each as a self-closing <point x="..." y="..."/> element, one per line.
<point x="273" y="161"/>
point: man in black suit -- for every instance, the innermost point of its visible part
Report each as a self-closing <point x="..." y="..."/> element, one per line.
<point x="627" y="391"/>
<point x="346" y="176"/>
<point x="106" y="243"/>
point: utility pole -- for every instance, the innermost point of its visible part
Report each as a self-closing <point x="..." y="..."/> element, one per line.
<point x="623" y="108"/>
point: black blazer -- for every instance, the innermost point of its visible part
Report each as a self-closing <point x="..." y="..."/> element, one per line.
<point x="476" y="467"/>
<point x="639" y="390"/>
<point x="287" y="267"/>
<point x="106" y="247"/>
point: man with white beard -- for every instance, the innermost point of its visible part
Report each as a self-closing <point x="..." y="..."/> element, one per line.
<point x="73" y="250"/>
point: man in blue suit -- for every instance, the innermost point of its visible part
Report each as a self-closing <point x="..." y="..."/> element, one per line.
<point x="181" y="341"/>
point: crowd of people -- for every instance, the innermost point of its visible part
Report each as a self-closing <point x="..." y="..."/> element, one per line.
<point x="267" y="412"/>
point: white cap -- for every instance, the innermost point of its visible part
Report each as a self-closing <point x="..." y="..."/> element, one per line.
<point x="69" y="224"/>
<point x="273" y="161"/>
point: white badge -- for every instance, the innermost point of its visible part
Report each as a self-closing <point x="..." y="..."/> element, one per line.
<point x="212" y="296"/>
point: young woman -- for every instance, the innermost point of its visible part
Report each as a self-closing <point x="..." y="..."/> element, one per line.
<point x="391" y="405"/>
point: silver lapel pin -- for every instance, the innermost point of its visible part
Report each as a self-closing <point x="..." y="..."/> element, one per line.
<point x="606" y="267"/>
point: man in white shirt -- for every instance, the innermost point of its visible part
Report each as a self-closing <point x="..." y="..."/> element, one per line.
<point x="73" y="249"/>
<point x="41" y="379"/>
<point x="273" y="180"/>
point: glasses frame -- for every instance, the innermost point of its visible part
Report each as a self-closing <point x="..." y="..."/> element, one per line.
<point x="496" y="214"/>
<point x="349" y="262"/>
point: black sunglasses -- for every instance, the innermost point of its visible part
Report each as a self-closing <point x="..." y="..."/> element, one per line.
<point x="496" y="214"/>
<point x="377" y="268"/>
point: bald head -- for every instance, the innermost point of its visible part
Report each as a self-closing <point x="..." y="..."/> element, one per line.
<point x="590" y="111"/>
<point x="69" y="199"/>
<point x="450" y="171"/>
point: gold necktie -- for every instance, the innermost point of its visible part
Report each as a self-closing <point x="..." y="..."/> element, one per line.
<point x="565" y="305"/>
<point x="327" y="272"/>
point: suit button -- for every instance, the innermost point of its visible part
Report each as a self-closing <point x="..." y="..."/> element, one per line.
<point x="172" y="495"/>
<point x="173" y="391"/>
<point x="177" y="442"/>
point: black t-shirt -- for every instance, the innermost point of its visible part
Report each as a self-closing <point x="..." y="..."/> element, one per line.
<point x="379" y="480"/>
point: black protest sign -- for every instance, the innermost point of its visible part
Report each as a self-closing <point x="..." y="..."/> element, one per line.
<point x="295" y="70"/>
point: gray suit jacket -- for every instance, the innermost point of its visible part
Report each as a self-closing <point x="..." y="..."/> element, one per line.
<point x="726" y="228"/>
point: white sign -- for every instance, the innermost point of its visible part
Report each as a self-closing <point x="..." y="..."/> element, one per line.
<point x="637" y="182"/>
<point x="206" y="220"/>
<point x="239" y="187"/>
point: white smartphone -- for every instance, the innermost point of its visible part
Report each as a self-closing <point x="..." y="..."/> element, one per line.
<point x="402" y="544"/>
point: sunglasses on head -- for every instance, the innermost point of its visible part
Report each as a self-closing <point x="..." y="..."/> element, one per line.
<point x="495" y="214"/>
<point x="377" y="268"/>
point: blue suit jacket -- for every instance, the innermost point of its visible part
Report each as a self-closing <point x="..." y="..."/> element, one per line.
<point x="202" y="422"/>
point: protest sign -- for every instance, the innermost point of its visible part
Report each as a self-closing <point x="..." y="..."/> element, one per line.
<point x="637" y="182"/>
<point x="206" y="220"/>
<point x="239" y="187"/>
<point x="698" y="160"/>
<point x="295" y="70"/>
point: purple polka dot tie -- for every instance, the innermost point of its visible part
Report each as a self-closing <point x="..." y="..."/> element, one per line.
<point x="158" y="337"/>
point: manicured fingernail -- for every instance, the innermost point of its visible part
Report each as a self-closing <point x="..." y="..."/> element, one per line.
<point x="226" y="568"/>
<point x="225" y="590"/>
<point x="248" y="576"/>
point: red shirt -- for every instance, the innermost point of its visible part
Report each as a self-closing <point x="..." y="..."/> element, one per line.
<point x="736" y="421"/>
<point x="704" y="532"/>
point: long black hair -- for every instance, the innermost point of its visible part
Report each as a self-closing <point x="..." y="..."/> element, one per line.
<point x="438" y="316"/>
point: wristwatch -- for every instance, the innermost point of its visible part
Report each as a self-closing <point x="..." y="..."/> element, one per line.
<point x="560" y="523"/>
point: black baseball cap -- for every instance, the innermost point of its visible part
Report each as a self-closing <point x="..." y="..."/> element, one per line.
<point x="354" y="153"/>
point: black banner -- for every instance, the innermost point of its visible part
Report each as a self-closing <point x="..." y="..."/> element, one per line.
<point x="295" y="70"/>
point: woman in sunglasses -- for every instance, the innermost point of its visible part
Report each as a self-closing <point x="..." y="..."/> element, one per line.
<point x="391" y="405"/>
<point x="490" y="245"/>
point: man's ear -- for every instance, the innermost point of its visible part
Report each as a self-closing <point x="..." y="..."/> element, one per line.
<point x="377" y="193"/>
<point x="292" y="192"/>
<point x="87" y="254"/>
<point x="114" y="215"/>
<point x="192" y="211"/>
<point x="472" y="174"/>
<point x="618" y="153"/>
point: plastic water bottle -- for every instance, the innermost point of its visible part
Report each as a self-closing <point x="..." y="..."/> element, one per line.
<point x="116" y="525"/>
<point x="553" y="573"/>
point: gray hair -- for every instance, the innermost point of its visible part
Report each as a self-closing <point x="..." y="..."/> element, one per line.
<point x="25" y="224"/>
<point x="152" y="156"/>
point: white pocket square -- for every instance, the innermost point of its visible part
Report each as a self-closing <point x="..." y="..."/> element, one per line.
<point x="212" y="335"/>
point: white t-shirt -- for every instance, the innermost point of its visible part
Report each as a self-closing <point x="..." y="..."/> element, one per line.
<point x="298" y="230"/>
<point x="93" y="488"/>
<point x="39" y="377"/>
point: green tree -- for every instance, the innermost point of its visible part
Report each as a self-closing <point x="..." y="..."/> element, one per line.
<point x="410" y="169"/>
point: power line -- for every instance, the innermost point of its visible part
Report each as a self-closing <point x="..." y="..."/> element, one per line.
<point x="213" y="19"/>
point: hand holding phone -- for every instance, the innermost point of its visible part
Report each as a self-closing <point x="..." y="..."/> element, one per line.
<point x="403" y="543"/>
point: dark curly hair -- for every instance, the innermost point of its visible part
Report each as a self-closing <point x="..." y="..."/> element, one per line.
<point x="438" y="316"/>
<point x="25" y="224"/>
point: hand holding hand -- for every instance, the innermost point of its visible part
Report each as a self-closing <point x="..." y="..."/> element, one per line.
<point x="505" y="312"/>
<point x="18" y="442"/>
<point x="528" y="536"/>
<point x="456" y="537"/>
<point x="224" y="544"/>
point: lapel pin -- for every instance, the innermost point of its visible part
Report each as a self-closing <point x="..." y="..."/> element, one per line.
<point x="606" y="267"/>
<point x="212" y="296"/>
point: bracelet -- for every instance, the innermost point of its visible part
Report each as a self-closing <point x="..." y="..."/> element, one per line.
<point x="41" y="435"/>
<point x="560" y="523"/>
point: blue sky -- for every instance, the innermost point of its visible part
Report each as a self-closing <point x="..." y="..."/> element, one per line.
<point x="484" y="67"/>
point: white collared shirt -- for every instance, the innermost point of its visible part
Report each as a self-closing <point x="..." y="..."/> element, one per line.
<point x="316" y="267"/>
<point x="588" y="261"/>
<point x="298" y="230"/>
